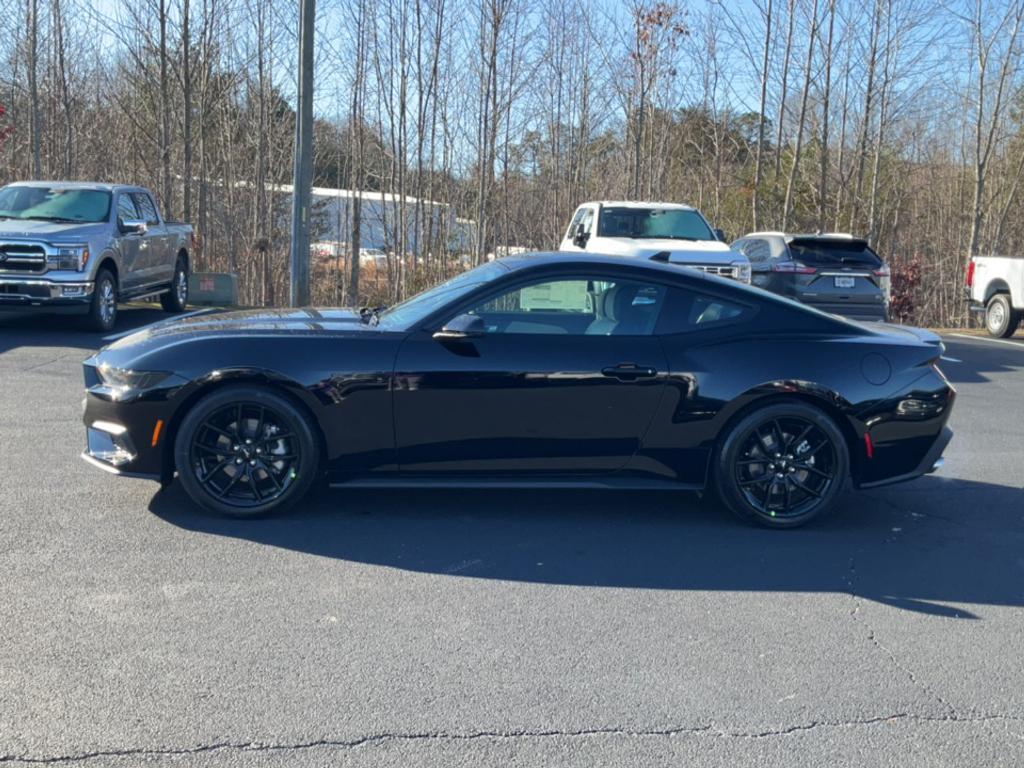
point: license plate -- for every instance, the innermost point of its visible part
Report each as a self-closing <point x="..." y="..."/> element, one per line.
<point x="845" y="282"/>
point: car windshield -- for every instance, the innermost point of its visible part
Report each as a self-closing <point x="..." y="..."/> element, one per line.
<point x="60" y="204"/>
<point x="824" y="253"/>
<point x="416" y="308"/>
<point x="669" y="223"/>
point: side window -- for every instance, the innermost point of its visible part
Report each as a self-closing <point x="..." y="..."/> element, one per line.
<point x="588" y="220"/>
<point x="686" y="311"/>
<point x="756" y="250"/>
<point x="126" y="210"/>
<point x="576" y="219"/>
<point x="575" y="307"/>
<point x="146" y="207"/>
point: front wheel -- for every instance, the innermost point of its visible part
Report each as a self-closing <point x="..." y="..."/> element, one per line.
<point x="245" y="451"/>
<point x="176" y="299"/>
<point x="103" y="307"/>
<point x="1001" y="319"/>
<point x="782" y="465"/>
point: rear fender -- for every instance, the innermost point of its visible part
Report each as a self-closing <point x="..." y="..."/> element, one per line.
<point x="838" y="408"/>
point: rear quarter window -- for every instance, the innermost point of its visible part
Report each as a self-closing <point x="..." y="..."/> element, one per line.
<point x="689" y="311"/>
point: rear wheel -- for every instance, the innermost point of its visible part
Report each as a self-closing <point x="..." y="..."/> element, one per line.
<point x="782" y="465"/>
<point x="176" y="299"/>
<point x="245" y="451"/>
<point x="1001" y="319"/>
<point x="103" y="307"/>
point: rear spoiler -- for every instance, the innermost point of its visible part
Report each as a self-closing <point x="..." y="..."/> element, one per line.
<point x="851" y="243"/>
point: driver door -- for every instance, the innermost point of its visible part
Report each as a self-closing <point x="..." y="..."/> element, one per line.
<point x="130" y="244"/>
<point x="563" y="381"/>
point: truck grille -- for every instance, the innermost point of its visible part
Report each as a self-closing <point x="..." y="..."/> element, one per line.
<point x="22" y="257"/>
<point x="722" y="270"/>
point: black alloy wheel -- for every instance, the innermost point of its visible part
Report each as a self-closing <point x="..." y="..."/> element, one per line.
<point x="782" y="465"/>
<point x="245" y="451"/>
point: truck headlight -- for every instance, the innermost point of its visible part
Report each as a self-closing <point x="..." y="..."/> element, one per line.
<point x="73" y="258"/>
<point x="742" y="271"/>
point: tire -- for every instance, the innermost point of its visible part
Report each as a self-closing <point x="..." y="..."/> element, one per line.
<point x="176" y="299"/>
<point x="228" y="476"/>
<point x="1001" y="319"/>
<point x="102" y="315"/>
<point x="801" y="456"/>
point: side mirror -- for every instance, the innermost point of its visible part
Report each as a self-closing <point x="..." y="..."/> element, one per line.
<point x="580" y="237"/>
<point x="134" y="227"/>
<point x="720" y="234"/>
<point x="462" y="327"/>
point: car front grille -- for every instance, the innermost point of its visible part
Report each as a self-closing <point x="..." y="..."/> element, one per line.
<point x="22" y="258"/>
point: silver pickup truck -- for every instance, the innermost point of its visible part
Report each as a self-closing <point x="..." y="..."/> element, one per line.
<point x="83" y="247"/>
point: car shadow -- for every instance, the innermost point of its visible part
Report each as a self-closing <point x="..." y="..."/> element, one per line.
<point x="944" y="543"/>
<point x="43" y="329"/>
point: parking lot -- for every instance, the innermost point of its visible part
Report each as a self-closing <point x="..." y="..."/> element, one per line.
<point x="468" y="628"/>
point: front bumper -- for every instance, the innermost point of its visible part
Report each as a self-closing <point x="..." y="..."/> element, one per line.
<point x="128" y="432"/>
<point x="21" y="292"/>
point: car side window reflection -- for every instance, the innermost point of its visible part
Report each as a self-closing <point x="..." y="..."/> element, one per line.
<point x="688" y="311"/>
<point x="575" y="307"/>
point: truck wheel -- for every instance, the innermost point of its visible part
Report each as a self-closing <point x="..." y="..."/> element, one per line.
<point x="103" y="308"/>
<point x="1001" y="319"/>
<point x="176" y="299"/>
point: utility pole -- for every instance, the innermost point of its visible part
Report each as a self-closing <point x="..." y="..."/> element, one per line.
<point x="303" y="178"/>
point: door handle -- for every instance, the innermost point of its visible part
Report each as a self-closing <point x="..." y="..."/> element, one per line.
<point x="629" y="372"/>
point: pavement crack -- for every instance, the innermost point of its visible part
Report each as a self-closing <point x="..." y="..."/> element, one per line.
<point x="856" y="616"/>
<point x="701" y="731"/>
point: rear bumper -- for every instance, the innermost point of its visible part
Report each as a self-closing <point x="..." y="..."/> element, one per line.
<point x="26" y="292"/>
<point x="931" y="462"/>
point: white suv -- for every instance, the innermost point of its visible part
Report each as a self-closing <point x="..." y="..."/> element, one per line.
<point x="670" y="232"/>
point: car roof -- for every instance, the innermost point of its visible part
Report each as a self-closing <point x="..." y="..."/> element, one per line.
<point x="791" y="236"/>
<point x="94" y="185"/>
<point x="640" y="204"/>
<point x="545" y="258"/>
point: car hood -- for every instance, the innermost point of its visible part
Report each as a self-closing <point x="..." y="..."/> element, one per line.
<point x="680" y="251"/>
<point x="218" y="324"/>
<point x="48" y="230"/>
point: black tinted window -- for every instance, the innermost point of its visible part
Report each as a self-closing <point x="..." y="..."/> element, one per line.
<point x="837" y="252"/>
<point x="687" y="311"/>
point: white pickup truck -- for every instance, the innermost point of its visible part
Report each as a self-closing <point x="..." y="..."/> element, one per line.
<point x="995" y="286"/>
<point x="670" y="232"/>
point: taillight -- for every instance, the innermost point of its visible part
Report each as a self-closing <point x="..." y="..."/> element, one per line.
<point x="884" y="275"/>
<point x="793" y="267"/>
<point x="970" y="273"/>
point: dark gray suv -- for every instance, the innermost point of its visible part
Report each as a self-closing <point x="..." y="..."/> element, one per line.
<point x="832" y="272"/>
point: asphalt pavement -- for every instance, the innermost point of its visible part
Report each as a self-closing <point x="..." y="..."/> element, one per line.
<point x="530" y="628"/>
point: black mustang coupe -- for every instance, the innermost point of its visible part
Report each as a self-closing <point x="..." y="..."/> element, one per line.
<point x="539" y="370"/>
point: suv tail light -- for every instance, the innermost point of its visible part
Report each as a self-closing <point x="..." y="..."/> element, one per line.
<point x="884" y="275"/>
<point x="793" y="267"/>
<point x="970" y="273"/>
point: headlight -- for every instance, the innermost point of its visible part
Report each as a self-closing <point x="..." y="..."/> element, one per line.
<point x="742" y="271"/>
<point x="122" y="378"/>
<point x="72" y="258"/>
